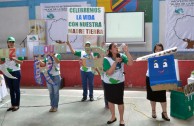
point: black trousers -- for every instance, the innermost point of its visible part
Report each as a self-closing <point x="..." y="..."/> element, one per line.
<point x="14" y="87"/>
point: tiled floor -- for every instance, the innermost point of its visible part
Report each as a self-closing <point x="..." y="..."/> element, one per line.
<point x="34" y="110"/>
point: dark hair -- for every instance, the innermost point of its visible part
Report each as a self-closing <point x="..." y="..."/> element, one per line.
<point x="109" y="48"/>
<point x="160" y="45"/>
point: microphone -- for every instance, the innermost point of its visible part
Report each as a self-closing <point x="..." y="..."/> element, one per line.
<point x="23" y="41"/>
<point x="118" y="55"/>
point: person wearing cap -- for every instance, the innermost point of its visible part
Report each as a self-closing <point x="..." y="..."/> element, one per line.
<point x="87" y="74"/>
<point x="14" y="70"/>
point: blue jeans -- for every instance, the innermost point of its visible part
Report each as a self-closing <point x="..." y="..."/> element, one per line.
<point x="54" y="91"/>
<point x="14" y="87"/>
<point x="87" y="78"/>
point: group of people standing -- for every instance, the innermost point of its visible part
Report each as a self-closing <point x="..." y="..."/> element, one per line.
<point x="113" y="80"/>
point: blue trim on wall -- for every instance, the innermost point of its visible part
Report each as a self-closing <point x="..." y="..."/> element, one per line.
<point x="155" y="23"/>
<point x="33" y="3"/>
<point x="14" y="3"/>
<point x="37" y="2"/>
<point x="31" y="8"/>
<point x="32" y="12"/>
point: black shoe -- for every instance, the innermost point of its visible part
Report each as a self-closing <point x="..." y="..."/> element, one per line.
<point x="109" y="122"/>
<point x="84" y="99"/>
<point x="15" y="109"/>
<point x="91" y="99"/>
<point x="122" y="125"/>
<point x="10" y="109"/>
<point x="154" y="114"/>
<point x="164" y="117"/>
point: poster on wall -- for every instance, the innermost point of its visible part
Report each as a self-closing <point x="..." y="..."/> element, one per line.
<point x="128" y="6"/>
<point x="38" y="27"/>
<point x="85" y="20"/>
<point x="180" y="28"/>
<point x="55" y="15"/>
<point x="32" y="40"/>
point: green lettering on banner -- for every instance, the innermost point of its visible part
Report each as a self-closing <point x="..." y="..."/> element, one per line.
<point x="99" y="10"/>
<point x="86" y="10"/>
<point x="71" y="10"/>
<point x="99" y="24"/>
<point x="73" y="24"/>
<point x="90" y="24"/>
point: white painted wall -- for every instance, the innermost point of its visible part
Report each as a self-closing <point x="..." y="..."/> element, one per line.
<point x="13" y="22"/>
<point x="162" y="21"/>
<point x="16" y="19"/>
<point x="132" y="47"/>
<point x="38" y="13"/>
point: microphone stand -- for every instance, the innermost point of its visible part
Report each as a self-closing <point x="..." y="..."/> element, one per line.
<point x="23" y="41"/>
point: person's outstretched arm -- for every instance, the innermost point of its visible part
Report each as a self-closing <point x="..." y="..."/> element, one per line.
<point x="56" y="59"/>
<point x="130" y="59"/>
<point x="70" y="47"/>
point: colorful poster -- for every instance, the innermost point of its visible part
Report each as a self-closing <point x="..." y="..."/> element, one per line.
<point x="162" y="73"/>
<point x="85" y="20"/>
<point x="118" y="5"/>
<point x="38" y="27"/>
<point x="41" y="72"/>
<point x="58" y="10"/>
<point x="179" y="21"/>
<point x="55" y="15"/>
<point x="32" y="40"/>
<point x="128" y="5"/>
